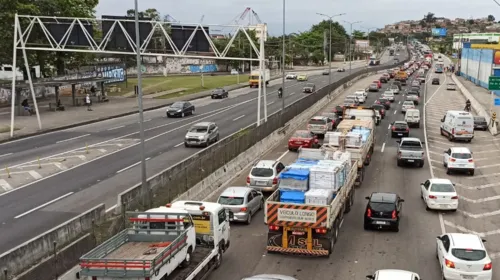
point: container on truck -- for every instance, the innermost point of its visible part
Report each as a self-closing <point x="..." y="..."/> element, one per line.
<point x="254" y="78"/>
<point x="181" y="241"/>
<point x="306" y="212"/>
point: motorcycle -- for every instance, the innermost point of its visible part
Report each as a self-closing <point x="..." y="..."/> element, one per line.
<point x="280" y="94"/>
<point x="467" y="108"/>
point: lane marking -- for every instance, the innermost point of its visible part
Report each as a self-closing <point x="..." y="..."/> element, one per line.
<point x="178" y="145"/>
<point x="5" y="185"/>
<point x="60" y="166"/>
<point x="130" y="166"/>
<point x="487" y="166"/>
<point x="282" y="155"/>
<point x="113" y="128"/>
<point x="74" y="138"/>
<point x="486" y="186"/>
<point x="270" y="103"/>
<point x="4" y="155"/>
<point x="389" y="127"/>
<point x="148" y="120"/>
<point x="480" y="200"/>
<point x="237" y="118"/>
<point x="482" y="176"/>
<point x="35" y="174"/>
<point x="102" y="150"/>
<point x="383" y="147"/>
<point x="482" y="215"/>
<point x="42" y="206"/>
<point x="292" y="93"/>
<point x="395" y="112"/>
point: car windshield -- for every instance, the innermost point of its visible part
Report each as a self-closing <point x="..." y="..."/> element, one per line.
<point x="382" y="207"/>
<point x="309" y="85"/>
<point x="382" y="100"/>
<point x="177" y="105"/>
<point x="461" y="155"/>
<point x="411" y="93"/>
<point x="373" y="85"/>
<point x="479" y="119"/>
<point x="316" y="121"/>
<point x="468" y="254"/>
<point x="198" y="129"/>
<point x="301" y="134"/>
<point x="262" y="172"/>
<point x="408" y="103"/>
<point x="229" y="200"/>
<point x="442" y="188"/>
<point x="218" y="90"/>
<point x="388" y="93"/>
<point x="394" y="87"/>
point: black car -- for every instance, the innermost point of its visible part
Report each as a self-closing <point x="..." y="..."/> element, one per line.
<point x="339" y="110"/>
<point x="435" y="81"/>
<point x="309" y="88"/>
<point x="383" y="79"/>
<point x="220" y="93"/>
<point x="480" y="123"/>
<point x="380" y="108"/>
<point x="384" y="101"/>
<point x="180" y="109"/>
<point x="341" y="70"/>
<point x="397" y="83"/>
<point x="400" y="129"/>
<point x="383" y="210"/>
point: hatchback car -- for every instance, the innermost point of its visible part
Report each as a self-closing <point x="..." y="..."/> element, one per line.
<point x="384" y="101"/>
<point x="383" y="210"/>
<point x="202" y="134"/>
<point x="393" y="274"/>
<point x="400" y="129"/>
<point x="435" y="81"/>
<point x="412" y="96"/>
<point x="309" y="88"/>
<point x="389" y="94"/>
<point x="291" y="76"/>
<point x="373" y="87"/>
<point x="180" y="109"/>
<point x="439" y="194"/>
<point x="463" y="256"/>
<point x="459" y="159"/>
<point x="264" y="175"/>
<point x="394" y="89"/>
<point x="302" y="77"/>
<point x="451" y="86"/>
<point x="242" y="203"/>
<point x="480" y="123"/>
<point x="219" y="93"/>
<point x="302" y="139"/>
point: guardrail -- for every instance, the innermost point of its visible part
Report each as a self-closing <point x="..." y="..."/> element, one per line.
<point x="162" y="188"/>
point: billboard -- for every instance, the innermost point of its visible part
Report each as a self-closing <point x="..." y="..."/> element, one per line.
<point x="496" y="57"/>
<point x="362" y="44"/>
<point x="181" y="34"/>
<point x="439" y="32"/>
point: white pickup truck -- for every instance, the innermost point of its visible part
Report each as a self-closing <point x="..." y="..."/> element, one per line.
<point x="410" y="151"/>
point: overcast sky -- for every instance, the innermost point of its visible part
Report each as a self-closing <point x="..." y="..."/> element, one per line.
<point x="301" y="14"/>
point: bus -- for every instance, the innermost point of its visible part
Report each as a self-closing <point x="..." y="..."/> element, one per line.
<point x="439" y="67"/>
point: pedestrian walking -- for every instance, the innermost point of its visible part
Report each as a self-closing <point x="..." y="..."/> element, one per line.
<point x="88" y="101"/>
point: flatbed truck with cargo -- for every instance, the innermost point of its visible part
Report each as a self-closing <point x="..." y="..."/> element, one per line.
<point x="181" y="241"/>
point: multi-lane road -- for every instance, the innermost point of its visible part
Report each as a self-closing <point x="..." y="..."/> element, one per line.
<point x="56" y="176"/>
<point x="359" y="252"/>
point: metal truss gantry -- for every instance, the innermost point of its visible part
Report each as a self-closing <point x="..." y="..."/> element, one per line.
<point x="25" y="24"/>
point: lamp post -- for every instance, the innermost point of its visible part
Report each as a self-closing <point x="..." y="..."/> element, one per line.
<point x="350" y="39"/>
<point x="330" y="18"/>
<point x="283" y="65"/>
<point x="368" y="30"/>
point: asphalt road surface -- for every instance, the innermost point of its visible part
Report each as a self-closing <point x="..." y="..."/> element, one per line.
<point x="57" y="176"/>
<point x="358" y="252"/>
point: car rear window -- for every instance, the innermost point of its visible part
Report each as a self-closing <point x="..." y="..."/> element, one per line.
<point x="382" y="207"/>
<point x="322" y="122"/>
<point x="468" y="254"/>
<point x="442" y="188"/>
<point x="400" y="125"/>
<point x="309" y="85"/>
<point x="262" y="172"/>
<point x="228" y="200"/>
<point x="301" y="134"/>
<point x="461" y="155"/>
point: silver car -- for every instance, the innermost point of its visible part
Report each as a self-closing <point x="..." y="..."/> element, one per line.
<point x="264" y="175"/>
<point x="202" y="134"/>
<point x="242" y="203"/>
<point x="407" y="105"/>
<point x="319" y="125"/>
<point x="395" y="89"/>
<point x="389" y="95"/>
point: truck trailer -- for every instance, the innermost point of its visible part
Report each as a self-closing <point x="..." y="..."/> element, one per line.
<point x="265" y="77"/>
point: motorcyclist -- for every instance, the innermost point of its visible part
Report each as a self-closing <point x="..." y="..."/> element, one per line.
<point x="280" y="92"/>
<point x="467" y="105"/>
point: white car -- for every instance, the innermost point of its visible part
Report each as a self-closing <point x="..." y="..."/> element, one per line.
<point x="234" y="72"/>
<point x="291" y="76"/>
<point x="361" y="96"/>
<point x="407" y="105"/>
<point x="391" y="274"/>
<point x="389" y="94"/>
<point x="451" y="86"/>
<point x="459" y="159"/>
<point x="439" y="194"/>
<point x="463" y="256"/>
<point x="365" y="93"/>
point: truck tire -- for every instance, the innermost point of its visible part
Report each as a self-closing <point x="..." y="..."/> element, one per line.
<point x="350" y="202"/>
<point x="421" y="164"/>
<point x="218" y="259"/>
<point x="399" y="163"/>
<point x="187" y="261"/>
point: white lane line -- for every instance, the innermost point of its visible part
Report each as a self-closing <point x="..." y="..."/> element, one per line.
<point x="480" y="200"/>
<point x="148" y="120"/>
<point x="35" y="174"/>
<point x="395" y="112"/>
<point x="128" y="167"/>
<point x="283" y="155"/>
<point x="399" y="102"/>
<point x="102" y="150"/>
<point x="389" y="127"/>
<point x="117" y="127"/>
<point x="42" y="206"/>
<point x="4" y="155"/>
<point x="482" y="176"/>
<point x="383" y="148"/>
<point x="237" y="118"/>
<point x="4" y="185"/>
<point x="60" y="166"/>
<point x="74" y="138"/>
<point x="178" y="145"/>
<point x="481" y="215"/>
<point x="270" y="103"/>
<point x="292" y="93"/>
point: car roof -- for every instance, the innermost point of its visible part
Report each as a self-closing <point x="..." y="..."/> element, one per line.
<point x="462" y="150"/>
<point x="190" y="205"/>
<point x="410" y="139"/>
<point x="400" y="122"/>
<point x="318" y="118"/>
<point x="236" y="191"/>
<point x="440" y="181"/>
<point x="394" y="274"/>
<point x="269" y="277"/>
<point x="466" y="240"/>
<point x="203" y="124"/>
<point x="383" y="197"/>
<point x="408" y="101"/>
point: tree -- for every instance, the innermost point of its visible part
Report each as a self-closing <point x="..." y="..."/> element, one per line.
<point x="491" y="18"/>
<point x="151" y="13"/>
<point x="359" y="35"/>
<point x="429" y="17"/>
<point x="471" y="21"/>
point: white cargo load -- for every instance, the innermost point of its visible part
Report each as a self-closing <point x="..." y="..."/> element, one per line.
<point x="325" y="177"/>
<point x="319" y="197"/>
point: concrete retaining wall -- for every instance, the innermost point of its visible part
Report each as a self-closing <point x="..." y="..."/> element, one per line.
<point x="22" y="257"/>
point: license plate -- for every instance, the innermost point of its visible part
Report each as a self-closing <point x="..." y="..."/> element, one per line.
<point x="298" y="143"/>
<point x="400" y="134"/>
<point x="192" y="142"/>
<point x="461" y="165"/>
<point x="467" y="276"/>
<point x="380" y="223"/>
<point x="261" y="183"/>
<point x="410" y="160"/>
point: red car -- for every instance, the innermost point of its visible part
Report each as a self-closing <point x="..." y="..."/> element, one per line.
<point x="304" y="139"/>
<point x="379" y="83"/>
<point x="384" y="101"/>
<point x="380" y="108"/>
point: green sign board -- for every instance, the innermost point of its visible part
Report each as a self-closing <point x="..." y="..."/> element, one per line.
<point x="494" y="83"/>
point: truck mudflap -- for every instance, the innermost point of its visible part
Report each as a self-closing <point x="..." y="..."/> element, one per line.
<point x="299" y="241"/>
<point x="297" y="251"/>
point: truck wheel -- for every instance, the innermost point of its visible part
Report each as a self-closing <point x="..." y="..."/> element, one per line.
<point x="450" y="137"/>
<point x="218" y="259"/>
<point x="350" y="202"/>
<point x="187" y="261"/>
<point x="421" y="164"/>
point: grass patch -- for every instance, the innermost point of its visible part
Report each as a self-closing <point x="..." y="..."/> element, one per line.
<point x="6" y="128"/>
<point x="151" y="85"/>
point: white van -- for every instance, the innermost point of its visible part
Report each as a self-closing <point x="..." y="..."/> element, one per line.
<point x="458" y="125"/>
<point x="412" y="117"/>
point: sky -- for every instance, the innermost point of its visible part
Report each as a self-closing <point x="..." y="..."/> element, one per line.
<point x="300" y="15"/>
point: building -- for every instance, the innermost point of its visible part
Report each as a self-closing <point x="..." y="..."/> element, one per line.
<point x="260" y="30"/>
<point x="474" y="38"/>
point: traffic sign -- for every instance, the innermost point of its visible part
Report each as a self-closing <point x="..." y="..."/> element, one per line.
<point x="494" y="83"/>
<point x="497" y="101"/>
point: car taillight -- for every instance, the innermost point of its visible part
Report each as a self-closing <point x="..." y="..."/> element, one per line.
<point x="368" y="212"/>
<point x="399" y="154"/>
<point x="452" y="160"/>
<point x="432" y="197"/>
<point x="243" y="209"/>
<point x="471" y="160"/>
<point x="488" y="266"/>
<point x="321" y="230"/>
<point x="393" y="128"/>
<point x="454" y="197"/>
<point x="275" y="180"/>
<point x="394" y="215"/>
<point x="248" y="179"/>
<point x="452" y="131"/>
<point x="449" y="263"/>
<point x="272" y="227"/>
<point x="407" y="130"/>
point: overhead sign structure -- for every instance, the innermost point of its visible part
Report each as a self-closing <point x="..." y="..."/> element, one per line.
<point x="494" y="83"/>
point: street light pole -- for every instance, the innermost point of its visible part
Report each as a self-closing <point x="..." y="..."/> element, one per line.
<point x="350" y="49"/>
<point x="330" y="45"/>
<point x="283" y="65"/>
<point x="145" y="188"/>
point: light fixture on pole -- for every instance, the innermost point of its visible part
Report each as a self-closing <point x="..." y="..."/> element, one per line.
<point x="330" y="18"/>
<point x="145" y="188"/>
<point x="350" y="39"/>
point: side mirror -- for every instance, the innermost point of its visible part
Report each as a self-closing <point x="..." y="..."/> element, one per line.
<point x="439" y="237"/>
<point x="445" y="152"/>
<point x="442" y="120"/>
<point x="371" y="277"/>
<point x="423" y="143"/>
<point x="402" y="200"/>
<point x="367" y="197"/>
<point x="484" y="240"/>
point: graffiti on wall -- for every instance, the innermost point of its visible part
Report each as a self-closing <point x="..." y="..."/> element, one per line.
<point x="176" y="66"/>
<point x="40" y="92"/>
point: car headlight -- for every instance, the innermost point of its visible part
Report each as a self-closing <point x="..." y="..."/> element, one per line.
<point x="178" y="111"/>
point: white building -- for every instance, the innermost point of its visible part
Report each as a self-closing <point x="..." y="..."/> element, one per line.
<point x="474" y="38"/>
<point x="260" y="29"/>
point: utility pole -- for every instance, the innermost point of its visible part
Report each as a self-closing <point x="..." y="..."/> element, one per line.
<point x="350" y="49"/>
<point x="330" y="18"/>
<point x="283" y="64"/>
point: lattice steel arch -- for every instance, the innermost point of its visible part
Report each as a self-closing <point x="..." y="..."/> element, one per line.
<point x="22" y="35"/>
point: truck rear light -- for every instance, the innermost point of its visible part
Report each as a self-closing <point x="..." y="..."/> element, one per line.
<point x="471" y="160"/>
<point x="273" y="227"/>
<point x="275" y="180"/>
<point x="393" y="128"/>
<point x="243" y="209"/>
<point x="454" y="197"/>
<point x="452" y="131"/>
<point x="321" y="230"/>
<point x="432" y="197"/>
<point x="146" y="278"/>
<point x="449" y="264"/>
<point x="488" y="266"/>
<point x="248" y="179"/>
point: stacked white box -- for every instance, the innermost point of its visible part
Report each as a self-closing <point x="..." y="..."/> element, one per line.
<point x="353" y="140"/>
<point x="344" y="157"/>
<point x="324" y="177"/>
<point x="341" y="175"/>
<point x="332" y="138"/>
<point x="319" y="196"/>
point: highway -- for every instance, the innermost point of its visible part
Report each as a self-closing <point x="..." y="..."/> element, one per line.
<point x="56" y="176"/>
<point x="358" y="252"/>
